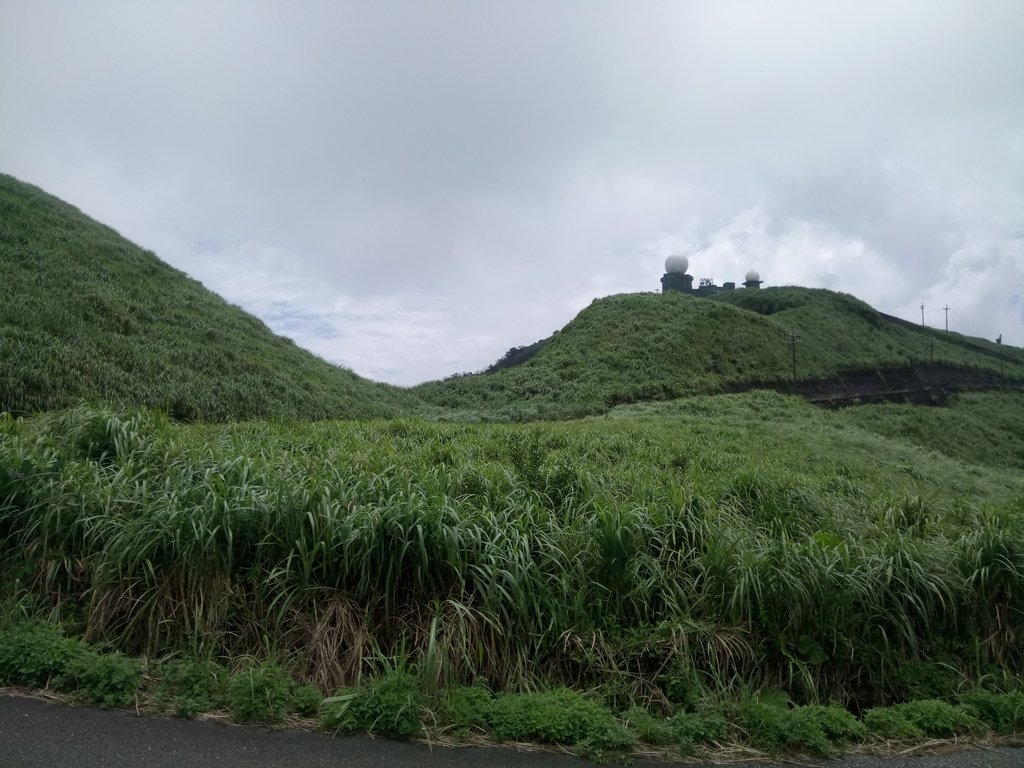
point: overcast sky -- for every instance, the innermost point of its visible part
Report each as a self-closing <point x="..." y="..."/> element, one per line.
<point x="411" y="188"/>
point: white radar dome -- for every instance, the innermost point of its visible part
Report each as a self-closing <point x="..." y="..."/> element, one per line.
<point x="752" y="276"/>
<point x="677" y="264"/>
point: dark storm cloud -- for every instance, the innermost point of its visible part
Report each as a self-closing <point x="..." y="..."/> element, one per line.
<point x="411" y="188"/>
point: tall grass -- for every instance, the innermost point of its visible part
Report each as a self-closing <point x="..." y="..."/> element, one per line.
<point x="86" y="314"/>
<point x="659" y="559"/>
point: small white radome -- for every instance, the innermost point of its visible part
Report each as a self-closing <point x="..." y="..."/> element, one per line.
<point x="677" y="264"/>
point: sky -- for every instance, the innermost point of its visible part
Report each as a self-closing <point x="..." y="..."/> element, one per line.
<point x="411" y="188"/>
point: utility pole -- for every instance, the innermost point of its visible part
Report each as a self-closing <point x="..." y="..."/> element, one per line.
<point x="946" y="310"/>
<point x="922" y="314"/>
<point x="793" y="340"/>
<point x="999" y="341"/>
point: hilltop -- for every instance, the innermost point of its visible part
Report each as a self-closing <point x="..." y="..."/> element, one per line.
<point x="85" y="314"/>
<point x="637" y="347"/>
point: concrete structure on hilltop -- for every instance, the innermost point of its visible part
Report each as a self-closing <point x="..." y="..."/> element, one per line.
<point x="676" y="279"/>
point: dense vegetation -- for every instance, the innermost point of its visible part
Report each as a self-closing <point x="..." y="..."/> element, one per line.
<point x="394" y="702"/>
<point x="745" y="540"/>
<point x="981" y="429"/>
<point x="86" y="314"/>
<point x="641" y="347"/>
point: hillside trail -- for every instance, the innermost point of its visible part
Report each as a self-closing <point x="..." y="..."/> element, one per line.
<point x="42" y="734"/>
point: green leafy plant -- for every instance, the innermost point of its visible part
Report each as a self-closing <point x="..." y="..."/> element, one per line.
<point x="306" y="700"/>
<point x="462" y="709"/>
<point x="648" y="728"/>
<point x="939" y="719"/>
<point x="559" y="716"/>
<point x="1002" y="712"/>
<point x="389" y="705"/>
<point x="106" y="679"/>
<point x="822" y="730"/>
<point x="190" y="686"/>
<point x="33" y="654"/>
<point x="890" y="723"/>
<point x="263" y="693"/>
<point x="692" y="728"/>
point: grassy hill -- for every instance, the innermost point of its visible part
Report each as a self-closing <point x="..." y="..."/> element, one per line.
<point x="637" y="347"/>
<point x="85" y="314"/>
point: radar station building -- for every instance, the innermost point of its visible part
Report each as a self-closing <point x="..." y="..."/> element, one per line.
<point x="676" y="279"/>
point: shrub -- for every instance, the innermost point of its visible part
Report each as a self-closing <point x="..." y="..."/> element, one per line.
<point x="766" y="726"/>
<point x="336" y="712"/>
<point x="560" y="716"/>
<point x="190" y="686"/>
<point x="1002" y="712"/>
<point x="939" y="719"/>
<point x="889" y="723"/>
<point x="691" y="728"/>
<point x="837" y="725"/>
<point x="389" y="705"/>
<point x="105" y="679"/>
<point x="32" y="654"/>
<point x="465" y="708"/>
<point x="261" y="694"/>
<point x="818" y="729"/>
<point x="306" y="700"/>
<point x="648" y="728"/>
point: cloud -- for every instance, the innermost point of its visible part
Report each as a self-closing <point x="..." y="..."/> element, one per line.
<point x="412" y="189"/>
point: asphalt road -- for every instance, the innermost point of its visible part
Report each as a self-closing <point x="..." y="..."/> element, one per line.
<point x="42" y="734"/>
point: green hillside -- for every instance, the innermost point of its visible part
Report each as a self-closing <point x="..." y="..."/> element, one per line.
<point x="985" y="428"/>
<point x="85" y="314"/>
<point x="637" y="347"/>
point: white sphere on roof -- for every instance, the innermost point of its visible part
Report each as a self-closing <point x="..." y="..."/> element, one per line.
<point x="752" y="276"/>
<point x="677" y="264"/>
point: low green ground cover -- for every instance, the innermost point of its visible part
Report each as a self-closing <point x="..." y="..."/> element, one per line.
<point x="403" y="702"/>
